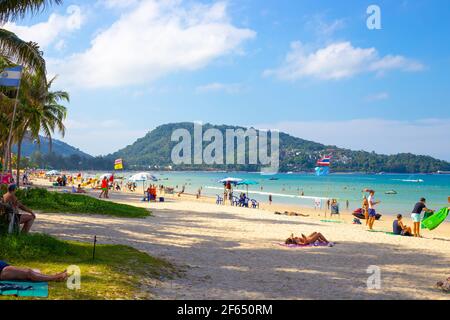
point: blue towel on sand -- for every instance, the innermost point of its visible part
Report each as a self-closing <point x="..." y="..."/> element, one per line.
<point x="26" y="289"/>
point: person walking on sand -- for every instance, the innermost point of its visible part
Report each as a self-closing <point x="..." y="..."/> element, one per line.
<point x="104" y="187"/>
<point x="372" y="212"/>
<point x="415" y="215"/>
<point x="270" y="199"/>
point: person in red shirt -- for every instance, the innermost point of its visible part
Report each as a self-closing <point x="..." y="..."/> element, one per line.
<point x="104" y="192"/>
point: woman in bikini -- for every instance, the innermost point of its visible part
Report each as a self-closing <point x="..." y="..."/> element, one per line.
<point x="311" y="239"/>
<point x="10" y="273"/>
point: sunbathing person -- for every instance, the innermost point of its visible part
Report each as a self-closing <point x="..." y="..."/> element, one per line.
<point x="311" y="239"/>
<point x="10" y="273"/>
<point x="26" y="219"/>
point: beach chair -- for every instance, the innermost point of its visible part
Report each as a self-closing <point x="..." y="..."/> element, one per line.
<point x="255" y="204"/>
<point x="9" y="218"/>
<point x="235" y="201"/>
<point x="219" y="200"/>
<point x="335" y="210"/>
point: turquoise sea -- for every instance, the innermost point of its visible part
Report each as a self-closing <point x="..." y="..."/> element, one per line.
<point x="287" y="188"/>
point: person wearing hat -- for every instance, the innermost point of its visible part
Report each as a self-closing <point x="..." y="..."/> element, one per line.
<point x="26" y="219"/>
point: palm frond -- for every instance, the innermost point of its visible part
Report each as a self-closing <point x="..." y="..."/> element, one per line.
<point x="21" y="52"/>
<point x="14" y="9"/>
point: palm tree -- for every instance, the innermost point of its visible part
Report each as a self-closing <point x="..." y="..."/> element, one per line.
<point x="40" y="112"/>
<point x="11" y="46"/>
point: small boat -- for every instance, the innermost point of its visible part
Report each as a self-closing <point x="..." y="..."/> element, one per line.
<point x="391" y="192"/>
<point x="274" y="179"/>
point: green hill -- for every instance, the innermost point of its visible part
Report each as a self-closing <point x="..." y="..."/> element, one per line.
<point x="29" y="146"/>
<point x="153" y="152"/>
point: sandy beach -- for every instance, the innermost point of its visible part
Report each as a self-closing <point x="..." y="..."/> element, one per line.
<point x="226" y="252"/>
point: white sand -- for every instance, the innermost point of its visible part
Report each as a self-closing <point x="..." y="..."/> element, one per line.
<point x="232" y="253"/>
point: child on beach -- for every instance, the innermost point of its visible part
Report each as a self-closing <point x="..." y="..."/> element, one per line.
<point x="415" y="215"/>
<point x="365" y="209"/>
<point x="372" y="213"/>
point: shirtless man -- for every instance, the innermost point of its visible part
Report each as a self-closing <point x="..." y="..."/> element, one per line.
<point x="26" y="219"/>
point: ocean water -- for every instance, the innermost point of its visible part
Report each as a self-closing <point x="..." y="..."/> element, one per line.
<point x="287" y="188"/>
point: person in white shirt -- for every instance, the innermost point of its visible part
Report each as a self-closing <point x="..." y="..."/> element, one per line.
<point x="372" y="212"/>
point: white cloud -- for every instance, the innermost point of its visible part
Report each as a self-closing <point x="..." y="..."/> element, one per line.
<point x="48" y="32"/>
<point x="230" y="88"/>
<point x="427" y="136"/>
<point x="152" y="39"/>
<point x="120" y="4"/>
<point x="337" y="61"/>
<point x="322" y="27"/>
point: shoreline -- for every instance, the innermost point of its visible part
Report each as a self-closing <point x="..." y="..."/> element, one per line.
<point x="346" y="217"/>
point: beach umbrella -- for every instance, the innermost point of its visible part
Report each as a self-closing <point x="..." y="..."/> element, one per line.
<point x="234" y="181"/>
<point x="142" y="177"/>
<point x="105" y="175"/>
<point x="52" y="173"/>
<point x="247" y="183"/>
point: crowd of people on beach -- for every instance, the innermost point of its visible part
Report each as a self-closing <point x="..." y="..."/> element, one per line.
<point x="369" y="204"/>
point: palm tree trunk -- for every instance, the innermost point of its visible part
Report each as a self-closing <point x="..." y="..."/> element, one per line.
<point x="10" y="159"/>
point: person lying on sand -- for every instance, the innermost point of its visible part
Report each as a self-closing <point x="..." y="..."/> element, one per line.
<point x="291" y="213"/>
<point x="10" y="273"/>
<point x="311" y="239"/>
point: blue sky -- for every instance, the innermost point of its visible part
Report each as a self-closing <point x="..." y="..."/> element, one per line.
<point x="310" y="68"/>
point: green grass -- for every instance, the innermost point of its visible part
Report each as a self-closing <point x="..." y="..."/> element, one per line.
<point x="54" y="202"/>
<point x="118" y="272"/>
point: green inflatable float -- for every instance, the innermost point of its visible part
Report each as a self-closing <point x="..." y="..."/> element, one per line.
<point x="434" y="221"/>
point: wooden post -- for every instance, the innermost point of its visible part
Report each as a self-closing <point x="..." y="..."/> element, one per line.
<point x="93" y="251"/>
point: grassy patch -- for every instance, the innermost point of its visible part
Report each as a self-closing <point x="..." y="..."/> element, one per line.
<point x="54" y="202"/>
<point x="118" y="272"/>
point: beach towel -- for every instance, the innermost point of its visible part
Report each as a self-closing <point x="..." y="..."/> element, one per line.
<point x="332" y="221"/>
<point x="24" y="289"/>
<point x="298" y="246"/>
<point x="388" y="233"/>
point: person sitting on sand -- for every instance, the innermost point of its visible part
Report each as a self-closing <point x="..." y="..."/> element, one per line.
<point x="10" y="273"/>
<point x="311" y="239"/>
<point x="26" y="219"/>
<point x="80" y="190"/>
<point x="400" y="229"/>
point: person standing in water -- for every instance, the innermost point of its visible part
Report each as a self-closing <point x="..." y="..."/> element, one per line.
<point x="415" y="215"/>
<point x="270" y="199"/>
<point x="372" y="212"/>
